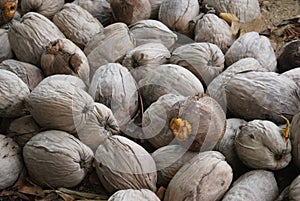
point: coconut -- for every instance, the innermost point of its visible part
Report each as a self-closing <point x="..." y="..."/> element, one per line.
<point x="5" y="51"/>
<point x="133" y="195"/>
<point x="8" y="10"/>
<point x="47" y="8"/>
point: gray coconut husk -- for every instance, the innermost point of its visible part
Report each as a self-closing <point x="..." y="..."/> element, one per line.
<point x="134" y="195"/>
<point x="47" y="8"/>
<point x="5" y="51"/>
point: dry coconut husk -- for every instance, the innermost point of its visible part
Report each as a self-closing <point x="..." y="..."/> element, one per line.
<point x="262" y="95"/>
<point x="177" y="14"/>
<point x="288" y="57"/>
<point x="13" y="92"/>
<point x="294" y="194"/>
<point x="62" y="56"/>
<point x="134" y="195"/>
<point x="260" y="144"/>
<point x="10" y="162"/>
<point x="253" y="45"/>
<point x="109" y="46"/>
<point x="130" y="11"/>
<point x="212" y="29"/>
<point x="60" y="105"/>
<point x="253" y="185"/>
<point x="23" y="129"/>
<point x="5" y="50"/>
<point x="169" y="159"/>
<point x="293" y="74"/>
<point x="155" y="122"/>
<point x="47" y="8"/>
<point x="246" y="12"/>
<point x="207" y="176"/>
<point x="30" y="74"/>
<point x="216" y="89"/>
<point x="29" y="37"/>
<point x="70" y="79"/>
<point x="204" y="60"/>
<point x="295" y="138"/>
<point x="168" y="78"/>
<point x="114" y="86"/>
<point x="100" y="9"/>
<point x="57" y="159"/>
<point x="226" y="145"/>
<point x="152" y="31"/>
<point x="77" y="24"/>
<point x="8" y="9"/>
<point x="123" y="164"/>
<point x="100" y="125"/>
<point x="198" y="122"/>
<point x="147" y="54"/>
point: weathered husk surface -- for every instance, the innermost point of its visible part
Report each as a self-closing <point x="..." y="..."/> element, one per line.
<point x="13" y="92"/>
<point x="260" y="144"/>
<point x="216" y="89"/>
<point x="100" y="9"/>
<point x="77" y="24"/>
<point x="204" y="60"/>
<point x="177" y="14"/>
<point x="245" y="11"/>
<point x="109" y="46"/>
<point x="62" y="56"/>
<point x="123" y="164"/>
<point x="130" y="11"/>
<point x="288" y="57"/>
<point x="253" y="45"/>
<point x="100" y="125"/>
<point x="206" y="119"/>
<point x="70" y="79"/>
<point x="169" y="159"/>
<point x="295" y="138"/>
<point x="207" y="176"/>
<point x="147" y="54"/>
<point x="23" y="129"/>
<point x="10" y="161"/>
<point x="134" y="195"/>
<point x="47" y="8"/>
<point x="152" y="31"/>
<point x="294" y="194"/>
<point x="57" y="159"/>
<point x="30" y="74"/>
<point x="114" y="86"/>
<point x="262" y="95"/>
<point x="59" y="105"/>
<point x="293" y="74"/>
<point x="226" y="145"/>
<point x="32" y="26"/>
<point x="5" y="50"/>
<point x="155" y="121"/>
<point x="252" y="186"/>
<point x="176" y="80"/>
<point x="210" y="28"/>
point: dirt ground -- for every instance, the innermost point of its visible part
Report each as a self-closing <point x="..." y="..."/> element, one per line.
<point x="282" y="18"/>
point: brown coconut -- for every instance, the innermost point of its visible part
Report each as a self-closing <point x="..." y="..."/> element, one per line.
<point x="13" y="92"/>
<point x="252" y="186"/>
<point x="59" y="105"/>
<point x="77" y="24"/>
<point x="289" y="56"/>
<point x="30" y="74"/>
<point x="8" y="9"/>
<point x="133" y="195"/>
<point x="207" y="176"/>
<point x="57" y="159"/>
<point x="47" y="8"/>
<point x="30" y="36"/>
<point x="62" y="56"/>
<point x="5" y="51"/>
<point x="261" y="144"/>
<point x="10" y="162"/>
<point x="204" y="60"/>
<point x="122" y="164"/>
<point x="198" y="122"/>
<point x="109" y="46"/>
<point x="130" y="11"/>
